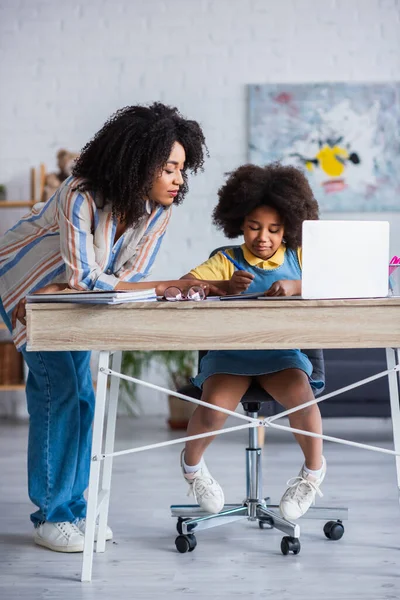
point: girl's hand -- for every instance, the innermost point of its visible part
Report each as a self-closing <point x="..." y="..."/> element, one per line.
<point x="19" y="312"/>
<point x="239" y="282"/>
<point x="284" y="287"/>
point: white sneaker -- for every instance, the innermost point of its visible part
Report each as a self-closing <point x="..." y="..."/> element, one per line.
<point x="206" y="491"/>
<point x="81" y="524"/>
<point x="60" y="537"/>
<point x="300" y="494"/>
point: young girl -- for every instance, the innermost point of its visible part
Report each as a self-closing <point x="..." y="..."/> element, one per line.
<point x="101" y="230"/>
<point x="266" y="205"/>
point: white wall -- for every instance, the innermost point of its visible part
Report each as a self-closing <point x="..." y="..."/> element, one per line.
<point x="66" y="65"/>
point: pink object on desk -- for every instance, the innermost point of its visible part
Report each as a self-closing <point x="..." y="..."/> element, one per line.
<point x="394" y="263"/>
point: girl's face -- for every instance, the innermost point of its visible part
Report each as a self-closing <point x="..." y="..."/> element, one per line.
<point x="166" y="186"/>
<point x="263" y="232"/>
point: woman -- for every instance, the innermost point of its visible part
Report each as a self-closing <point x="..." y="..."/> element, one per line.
<point x="101" y="230"/>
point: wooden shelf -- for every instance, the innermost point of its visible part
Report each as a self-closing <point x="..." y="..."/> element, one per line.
<point x="15" y="204"/>
<point x="11" y="387"/>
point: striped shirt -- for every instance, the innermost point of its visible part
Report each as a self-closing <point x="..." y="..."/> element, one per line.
<point x="70" y="238"/>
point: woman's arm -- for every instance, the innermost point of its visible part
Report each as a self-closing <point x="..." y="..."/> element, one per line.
<point x="76" y="214"/>
<point x="160" y="286"/>
<point x="285" y="287"/>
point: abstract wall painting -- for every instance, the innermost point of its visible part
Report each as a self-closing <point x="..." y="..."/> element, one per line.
<point x="345" y="136"/>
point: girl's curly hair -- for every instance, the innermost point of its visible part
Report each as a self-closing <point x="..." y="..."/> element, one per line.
<point x="126" y="155"/>
<point x="283" y="188"/>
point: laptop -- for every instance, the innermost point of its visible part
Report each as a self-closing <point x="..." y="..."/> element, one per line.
<point x="345" y="259"/>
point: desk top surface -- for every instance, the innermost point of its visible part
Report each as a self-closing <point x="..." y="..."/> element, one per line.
<point x="243" y="324"/>
<point x="216" y="304"/>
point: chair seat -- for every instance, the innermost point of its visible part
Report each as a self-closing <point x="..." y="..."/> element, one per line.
<point x="255" y="399"/>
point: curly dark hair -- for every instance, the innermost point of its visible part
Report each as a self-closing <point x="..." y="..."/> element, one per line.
<point x="124" y="157"/>
<point x="283" y="188"/>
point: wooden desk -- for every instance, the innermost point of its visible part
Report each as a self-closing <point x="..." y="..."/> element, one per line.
<point x="373" y="323"/>
<point x="210" y="325"/>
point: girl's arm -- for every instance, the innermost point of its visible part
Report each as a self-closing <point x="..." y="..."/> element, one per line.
<point x="220" y="271"/>
<point x="238" y="283"/>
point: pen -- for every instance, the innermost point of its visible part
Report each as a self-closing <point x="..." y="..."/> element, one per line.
<point x="232" y="260"/>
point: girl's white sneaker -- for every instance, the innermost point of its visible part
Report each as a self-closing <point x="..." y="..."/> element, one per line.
<point x="301" y="493"/>
<point x="205" y="489"/>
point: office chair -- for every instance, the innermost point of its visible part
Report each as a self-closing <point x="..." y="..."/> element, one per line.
<point x="191" y="518"/>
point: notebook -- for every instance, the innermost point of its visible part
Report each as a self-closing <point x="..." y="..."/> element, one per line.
<point x="97" y="297"/>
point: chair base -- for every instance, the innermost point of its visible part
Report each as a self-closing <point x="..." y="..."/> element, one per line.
<point x="191" y="519"/>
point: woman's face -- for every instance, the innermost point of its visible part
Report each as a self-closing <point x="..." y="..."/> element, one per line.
<point x="166" y="186"/>
<point x="263" y="232"/>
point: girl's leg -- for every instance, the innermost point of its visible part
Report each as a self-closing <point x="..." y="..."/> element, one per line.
<point x="292" y="388"/>
<point x="221" y="390"/>
<point x="225" y="391"/>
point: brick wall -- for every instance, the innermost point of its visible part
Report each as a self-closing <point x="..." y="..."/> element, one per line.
<point x="66" y="65"/>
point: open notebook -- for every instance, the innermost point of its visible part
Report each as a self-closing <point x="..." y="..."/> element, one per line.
<point x="258" y="296"/>
<point x="97" y="297"/>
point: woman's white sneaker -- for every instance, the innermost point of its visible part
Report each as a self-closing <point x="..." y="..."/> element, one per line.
<point x="81" y="524"/>
<point x="301" y="493"/>
<point x="59" y="537"/>
<point x="205" y="489"/>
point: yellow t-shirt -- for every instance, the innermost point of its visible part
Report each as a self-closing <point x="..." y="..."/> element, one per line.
<point x="218" y="267"/>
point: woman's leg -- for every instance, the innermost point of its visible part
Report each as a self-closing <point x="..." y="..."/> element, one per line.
<point x="225" y="391"/>
<point x="292" y="388"/>
<point x="55" y="435"/>
<point x="86" y="393"/>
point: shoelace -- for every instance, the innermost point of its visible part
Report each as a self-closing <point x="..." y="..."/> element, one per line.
<point x="68" y="531"/>
<point x="301" y="487"/>
<point x="201" y="487"/>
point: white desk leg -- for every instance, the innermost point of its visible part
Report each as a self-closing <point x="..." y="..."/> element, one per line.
<point x="95" y="465"/>
<point x="391" y="356"/>
<point x="105" y="484"/>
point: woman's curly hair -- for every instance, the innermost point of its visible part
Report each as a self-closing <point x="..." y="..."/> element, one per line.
<point x="283" y="188"/>
<point x="126" y="155"/>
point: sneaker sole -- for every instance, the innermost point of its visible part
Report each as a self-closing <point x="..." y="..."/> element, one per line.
<point x="41" y="542"/>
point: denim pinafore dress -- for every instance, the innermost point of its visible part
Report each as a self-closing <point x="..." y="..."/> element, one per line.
<point x="258" y="362"/>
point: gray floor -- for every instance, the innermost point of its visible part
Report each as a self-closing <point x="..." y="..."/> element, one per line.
<point x="235" y="561"/>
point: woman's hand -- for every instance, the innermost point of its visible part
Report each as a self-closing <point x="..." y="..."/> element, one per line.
<point x="210" y="289"/>
<point x="185" y="283"/>
<point x="239" y="282"/>
<point x="284" y="287"/>
<point x="19" y="312"/>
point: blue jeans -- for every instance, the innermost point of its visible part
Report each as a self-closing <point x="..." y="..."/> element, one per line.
<point x="61" y="400"/>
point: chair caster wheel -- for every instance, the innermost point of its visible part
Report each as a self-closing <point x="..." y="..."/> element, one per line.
<point x="290" y="544"/>
<point x="265" y="523"/>
<point x="334" y="530"/>
<point x="185" y="543"/>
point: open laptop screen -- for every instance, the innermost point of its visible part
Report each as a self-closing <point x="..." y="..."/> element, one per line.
<point x="345" y="259"/>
